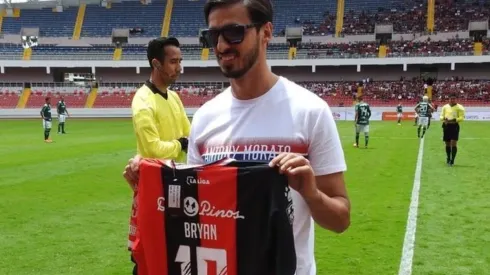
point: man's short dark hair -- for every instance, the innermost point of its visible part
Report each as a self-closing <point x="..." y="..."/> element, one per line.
<point x="156" y="48"/>
<point x="453" y="95"/>
<point x="259" y="11"/>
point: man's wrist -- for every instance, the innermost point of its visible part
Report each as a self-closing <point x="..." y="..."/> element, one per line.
<point x="314" y="197"/>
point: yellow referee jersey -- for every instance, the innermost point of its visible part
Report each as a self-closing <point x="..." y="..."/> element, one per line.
<point x="158" y="121"/>
<point x="453" y="112"/>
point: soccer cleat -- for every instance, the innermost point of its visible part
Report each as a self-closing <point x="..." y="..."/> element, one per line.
<point x="48" y="141"/>
<point x="355" y="145"/>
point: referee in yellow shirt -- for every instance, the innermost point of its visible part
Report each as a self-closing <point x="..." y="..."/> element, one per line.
<point x="451" y="115"/>
<point x="159" y="119"/>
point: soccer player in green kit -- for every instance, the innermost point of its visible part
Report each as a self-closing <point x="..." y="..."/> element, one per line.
<point x="399" y="113"/>
<point x="363" y="113"/>
<point x="62" y="113"/>
<point x="424" y="109"/>
<point x="46" y="115"/>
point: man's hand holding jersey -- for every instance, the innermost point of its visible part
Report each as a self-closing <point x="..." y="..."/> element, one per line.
<point x="325" y="195"/>
<point x="131" y="170"/>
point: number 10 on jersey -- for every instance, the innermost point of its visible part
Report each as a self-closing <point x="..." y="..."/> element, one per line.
<point x="203" y="255"/>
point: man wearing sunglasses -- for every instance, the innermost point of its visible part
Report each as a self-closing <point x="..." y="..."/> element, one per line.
<point x="265" y="117"/>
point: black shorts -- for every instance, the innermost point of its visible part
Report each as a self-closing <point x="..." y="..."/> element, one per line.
<point x="450" y="132"/>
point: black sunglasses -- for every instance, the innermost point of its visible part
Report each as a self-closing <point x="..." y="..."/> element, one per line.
<point x="232" y="34"/>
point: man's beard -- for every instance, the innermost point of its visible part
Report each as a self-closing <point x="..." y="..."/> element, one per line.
<point x="250" y="60"/>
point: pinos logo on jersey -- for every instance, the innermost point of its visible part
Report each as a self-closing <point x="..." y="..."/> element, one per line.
<point x="192" y="180"/>
<point x="161" y="204"/>
<point x="192" y="208"/>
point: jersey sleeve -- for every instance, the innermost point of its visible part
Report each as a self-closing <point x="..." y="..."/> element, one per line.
<point x="325" y="149"/>
<point x="147" y="133"/>
<point x="461" y="113"/>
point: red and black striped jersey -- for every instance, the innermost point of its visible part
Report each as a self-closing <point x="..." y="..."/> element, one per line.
<point x="223" y="218"/>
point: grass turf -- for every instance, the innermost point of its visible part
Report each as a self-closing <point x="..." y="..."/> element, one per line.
<point x="64" y="206"/>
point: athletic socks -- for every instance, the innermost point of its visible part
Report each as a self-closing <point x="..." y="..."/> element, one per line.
<point x="418" y="132"/>
<point x="448" y="153"/>
<point x="46" y="134"/>
<point x="357" y="139"/>
<point x="366" y="140"/>
<point x="63" y="127"/>
<point x="453" y="153"/>
<point x="423" y="132"/>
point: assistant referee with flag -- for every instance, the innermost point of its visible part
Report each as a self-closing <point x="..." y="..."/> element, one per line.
<point x="452" y="114"/>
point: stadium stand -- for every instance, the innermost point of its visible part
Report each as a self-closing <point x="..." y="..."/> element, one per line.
<point x="319" y="18"/>
<point x="9" y="94"/>
<point x="450" y="47"/>
<point x="74" y="96"/>
<point x="100" y="21"/>
<point x="336" y="93"/>
<point x="50" y="23"/>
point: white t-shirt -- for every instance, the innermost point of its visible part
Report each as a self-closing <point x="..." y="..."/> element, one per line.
<point x="288" y="118"/>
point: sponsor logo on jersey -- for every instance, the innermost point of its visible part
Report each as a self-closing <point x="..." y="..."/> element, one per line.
<point x="193" y="208"/>
<point x="192" y="180"/>
<point x="161" y="204"/>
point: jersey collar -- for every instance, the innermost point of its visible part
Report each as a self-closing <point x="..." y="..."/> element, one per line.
<point x="155" y="90"/>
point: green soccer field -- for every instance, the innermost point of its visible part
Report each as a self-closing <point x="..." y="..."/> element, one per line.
<point x="64" y="206"/>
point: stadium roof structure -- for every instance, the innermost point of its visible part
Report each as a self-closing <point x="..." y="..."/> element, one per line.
<point x="22" y="1"/>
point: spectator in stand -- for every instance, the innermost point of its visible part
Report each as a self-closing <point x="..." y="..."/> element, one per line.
<point x="455" y="16"/>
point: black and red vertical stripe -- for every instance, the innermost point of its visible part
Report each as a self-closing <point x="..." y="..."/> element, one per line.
<point x="214" y="219"/>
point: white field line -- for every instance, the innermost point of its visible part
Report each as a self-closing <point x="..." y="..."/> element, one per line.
<point x="409" y="242"/>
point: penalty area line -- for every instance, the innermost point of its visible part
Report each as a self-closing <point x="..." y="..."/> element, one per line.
<point x="409" y="241"/>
